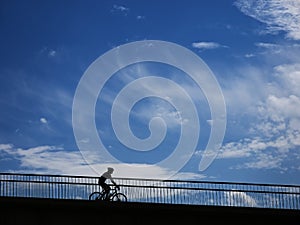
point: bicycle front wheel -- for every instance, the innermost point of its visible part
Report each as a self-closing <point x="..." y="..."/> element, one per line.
<point x="119" y="197"/>
<point x="95" y="196"/>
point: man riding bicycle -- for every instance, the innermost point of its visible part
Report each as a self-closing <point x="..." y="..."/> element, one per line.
<point x="102" y="179"/>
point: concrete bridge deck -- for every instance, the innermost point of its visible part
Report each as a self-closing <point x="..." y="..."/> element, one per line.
<point x="39" y="211"/>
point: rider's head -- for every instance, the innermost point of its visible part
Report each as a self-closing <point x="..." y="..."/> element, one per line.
<point x="111" y="170"/>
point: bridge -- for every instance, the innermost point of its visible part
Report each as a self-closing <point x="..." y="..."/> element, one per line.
<point x="61" y="199"/>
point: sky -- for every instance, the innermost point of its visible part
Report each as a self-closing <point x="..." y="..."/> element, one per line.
<point x="63" y="110"/>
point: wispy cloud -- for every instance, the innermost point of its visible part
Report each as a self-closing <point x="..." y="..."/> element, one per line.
<point x="50" y="52"/>
<point x="245" y="90"/>
<point x="207" y="45"/>
<point x="36" y="109"/>
<point x="155" y="107"/>
<point x="258" y="153"/>
<point x="120" y="9"/>
<point x="249" y="55"/>
<point x="139" y="17"/>
<point x="269" y="48"/>
<point x="56" y="160"/>
<point x="275" y="131"/>
<point x="266" y="45"/>
<point x="277" y="15"/>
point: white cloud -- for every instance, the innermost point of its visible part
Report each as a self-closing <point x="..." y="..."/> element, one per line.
<point x="244" y="90"/>
<point x="267" y="97"/>
<point x="276" y="130"/>
<point x="277" y="15"/>
<point x="171" y="118"/>
<point x="238" y="198"/>
<point x="120" y="9"/>
<point x="249" y="55"/>
<point x="266" y="45"/>
<point x="188" y="176"/>
<point x="155" y="108"/>
<point x="233" y="154"/>
<point x="269" y="48"/>
<point x="279" y="134"/>
<point x="277" y="53"/>
<point x="52" y="159"/>
<point x="52" y="53"/>
<point x="207" y="45"/>
<point x="43" y="120"/>
<point x="6" y="147"/>
<point x="242" y="149"/>
<point x="140" y="17"/>
<point x="55" y="160"/>
<point x="289" y="75"/>
<point x="264" y="161"/>
<point x="280" y="108"/>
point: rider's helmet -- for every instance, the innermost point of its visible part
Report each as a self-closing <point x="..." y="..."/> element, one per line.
<point x="110" y="169"/>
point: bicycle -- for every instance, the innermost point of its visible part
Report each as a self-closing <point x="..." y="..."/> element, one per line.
<point x="114" y="195"/>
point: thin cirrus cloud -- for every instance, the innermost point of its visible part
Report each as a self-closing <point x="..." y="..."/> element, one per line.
<point x="120" y="9"/>
<point x="277" y="120"/>
<point x="274" y="135"/>
<point x="207" y="45"/>
<point x="271" y="101"/>
<point x="277" y="15"/>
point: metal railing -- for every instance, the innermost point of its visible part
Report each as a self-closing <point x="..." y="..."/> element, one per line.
<point x="154" y="190"/>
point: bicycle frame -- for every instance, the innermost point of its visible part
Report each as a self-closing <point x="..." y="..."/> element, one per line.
<point x="114" y="195"/>
<point x="112" y="192"/>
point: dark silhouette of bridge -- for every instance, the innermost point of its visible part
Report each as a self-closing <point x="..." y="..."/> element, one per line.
<point x="56" y="199"/>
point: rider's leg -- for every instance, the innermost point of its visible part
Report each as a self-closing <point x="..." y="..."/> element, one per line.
<point x="107" y="192"/>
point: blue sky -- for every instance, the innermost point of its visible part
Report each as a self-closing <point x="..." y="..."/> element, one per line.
<point x="251" y="47"/>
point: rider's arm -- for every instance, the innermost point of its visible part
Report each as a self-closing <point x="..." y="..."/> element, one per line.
<point x="114" y="182"/>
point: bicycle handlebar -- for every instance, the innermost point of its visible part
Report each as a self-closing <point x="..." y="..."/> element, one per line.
<point x="116" y="187"/>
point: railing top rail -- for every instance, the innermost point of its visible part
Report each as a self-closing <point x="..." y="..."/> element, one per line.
<point x="155" y="180"/>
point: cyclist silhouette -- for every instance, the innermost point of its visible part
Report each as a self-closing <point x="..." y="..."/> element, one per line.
<point x="102" y="181"/>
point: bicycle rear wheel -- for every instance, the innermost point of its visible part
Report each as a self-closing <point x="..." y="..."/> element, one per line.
<point x="95" y="195"/>
<point x="119" y="197"/>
